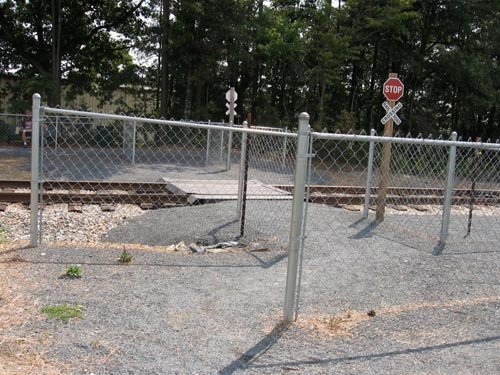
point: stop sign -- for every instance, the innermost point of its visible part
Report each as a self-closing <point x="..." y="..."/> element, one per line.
<point x="393" y="89"/>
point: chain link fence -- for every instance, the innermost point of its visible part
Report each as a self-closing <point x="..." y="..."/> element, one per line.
<point x="376" y="205"/>
<point x="346" y="173"/>
<point x="11" y="128"/>
<point x="122" y="164"/>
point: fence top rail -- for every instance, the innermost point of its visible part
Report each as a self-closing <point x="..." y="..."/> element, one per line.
<point x="414" y="141"/>
<point x="132" y="119"/>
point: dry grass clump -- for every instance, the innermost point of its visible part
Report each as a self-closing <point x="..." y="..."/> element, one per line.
<point x="328" y="326"/>
<point x="332" y="325"/>
<point x="17" y="353"/>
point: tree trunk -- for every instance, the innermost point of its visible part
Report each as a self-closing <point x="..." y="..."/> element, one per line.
<point x="187" y="102"/>
<point x="321" y="111"/>
<point x="369" y="116"/>
<point x="356" y="73"/>
<point x="165" y="31"/>
<point x="54" y="98"/>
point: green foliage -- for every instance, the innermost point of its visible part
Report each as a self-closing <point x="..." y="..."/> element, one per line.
<point x="84" y="43"/>
<point x="65" y="312"/>
<point x="328" y="58"/>
<point x="73" y="272"/>
<point x="3" y="234"/>
<point x="125" y="257"/>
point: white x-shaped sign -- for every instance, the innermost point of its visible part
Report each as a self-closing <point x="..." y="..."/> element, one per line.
<point x="391" y="113"/>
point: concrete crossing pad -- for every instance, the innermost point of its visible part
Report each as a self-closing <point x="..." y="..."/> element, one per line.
<point x="204" y="191"/>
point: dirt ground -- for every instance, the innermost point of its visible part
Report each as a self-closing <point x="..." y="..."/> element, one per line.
<point x="17" y="352"/>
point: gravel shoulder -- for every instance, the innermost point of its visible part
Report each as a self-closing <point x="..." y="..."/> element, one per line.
<point x="183" y="313"/>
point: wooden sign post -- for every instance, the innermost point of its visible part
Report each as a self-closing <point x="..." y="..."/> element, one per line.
<point x="393" y="90"/>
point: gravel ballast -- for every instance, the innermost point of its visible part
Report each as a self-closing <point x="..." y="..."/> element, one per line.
<point x="182" y="313"/>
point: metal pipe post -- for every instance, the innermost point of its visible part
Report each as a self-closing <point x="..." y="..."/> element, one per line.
<point x="57" y="132"/>
<point x="134" y="132"/>
<point x="232" y="99"/>
<point x="445" y="223"/>
<point x="296" y="225"/>
<point x="208" y="147"/>
<point x="245" y="179"/>
<point x="221" y="146"/>
<point x="242" y="173"/>
<point x="369" y="176"/>
<point x="229" y="148"/>
<point x="35" y="177"/>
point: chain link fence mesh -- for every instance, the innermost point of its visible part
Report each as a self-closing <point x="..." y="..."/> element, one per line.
<point x="92" y="161"/>
<point x="416" y="188"/>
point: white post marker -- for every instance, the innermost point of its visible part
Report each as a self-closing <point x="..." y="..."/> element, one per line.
<point x="231" y="97"/>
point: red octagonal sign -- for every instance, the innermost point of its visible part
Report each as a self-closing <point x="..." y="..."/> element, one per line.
<point x="393" y="89"/>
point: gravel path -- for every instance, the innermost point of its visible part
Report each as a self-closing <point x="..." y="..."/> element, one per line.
<point x="220" y="313"/>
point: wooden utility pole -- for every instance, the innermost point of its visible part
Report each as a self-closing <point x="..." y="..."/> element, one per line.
<point x="385" y="166"/>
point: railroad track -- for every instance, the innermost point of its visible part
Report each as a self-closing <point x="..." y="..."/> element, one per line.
<point x="146" y="195"/>
<point x="156" y="195"/>
<point x="355" y="195"/>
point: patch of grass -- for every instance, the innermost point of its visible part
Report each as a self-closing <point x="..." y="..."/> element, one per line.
<point x="3" y="234"/>
<point x="74" y="272"/>
<point x="125" y="257"/>
<point x="65" y="312"/>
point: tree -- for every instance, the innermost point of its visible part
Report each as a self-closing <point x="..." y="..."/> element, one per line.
<point x="84" y="42"/>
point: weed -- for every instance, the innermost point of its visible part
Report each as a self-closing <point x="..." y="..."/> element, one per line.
<point x="125" y="257"/>
<point x="3" y="234"/>
<point x="73" y="272"/>
<point x="64" y="312"/>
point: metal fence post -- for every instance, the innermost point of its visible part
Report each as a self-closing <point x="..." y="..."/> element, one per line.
<point x="35" y="162"/>
<point x="369" y="176"/>
<point x="229" y="147"/>
<point x="445" y="223"/>
<point x="208" y="146"/>
<point x="297" y="216"/>
<point x="57" y="132"/>
<point x="221" y="146"/>
<point x="134" y="134"/>
<point x="242" y="172"/>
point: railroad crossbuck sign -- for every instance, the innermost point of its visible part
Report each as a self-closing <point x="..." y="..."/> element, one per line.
<point x="231" y="97"/>
<point x="391" y="113"/>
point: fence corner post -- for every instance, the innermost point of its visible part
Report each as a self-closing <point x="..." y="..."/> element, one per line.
<point x="445" y="222"/>
<point x="369" y="175"/>
<point x="296" y="224"/>
<point x="35" y="164"/>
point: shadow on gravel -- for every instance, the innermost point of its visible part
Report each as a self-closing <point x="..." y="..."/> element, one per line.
<point x="262" y="263"/>
<point x="257" y="350"/>
<point x="268" y="264"/>
<point x="137" y="264"/>
<point x="368" y="357"/>
<point x="366" y="231"/>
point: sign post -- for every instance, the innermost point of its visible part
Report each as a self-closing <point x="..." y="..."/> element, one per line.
<point x="231" y="97"/>
<point x="393" y="90"/>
